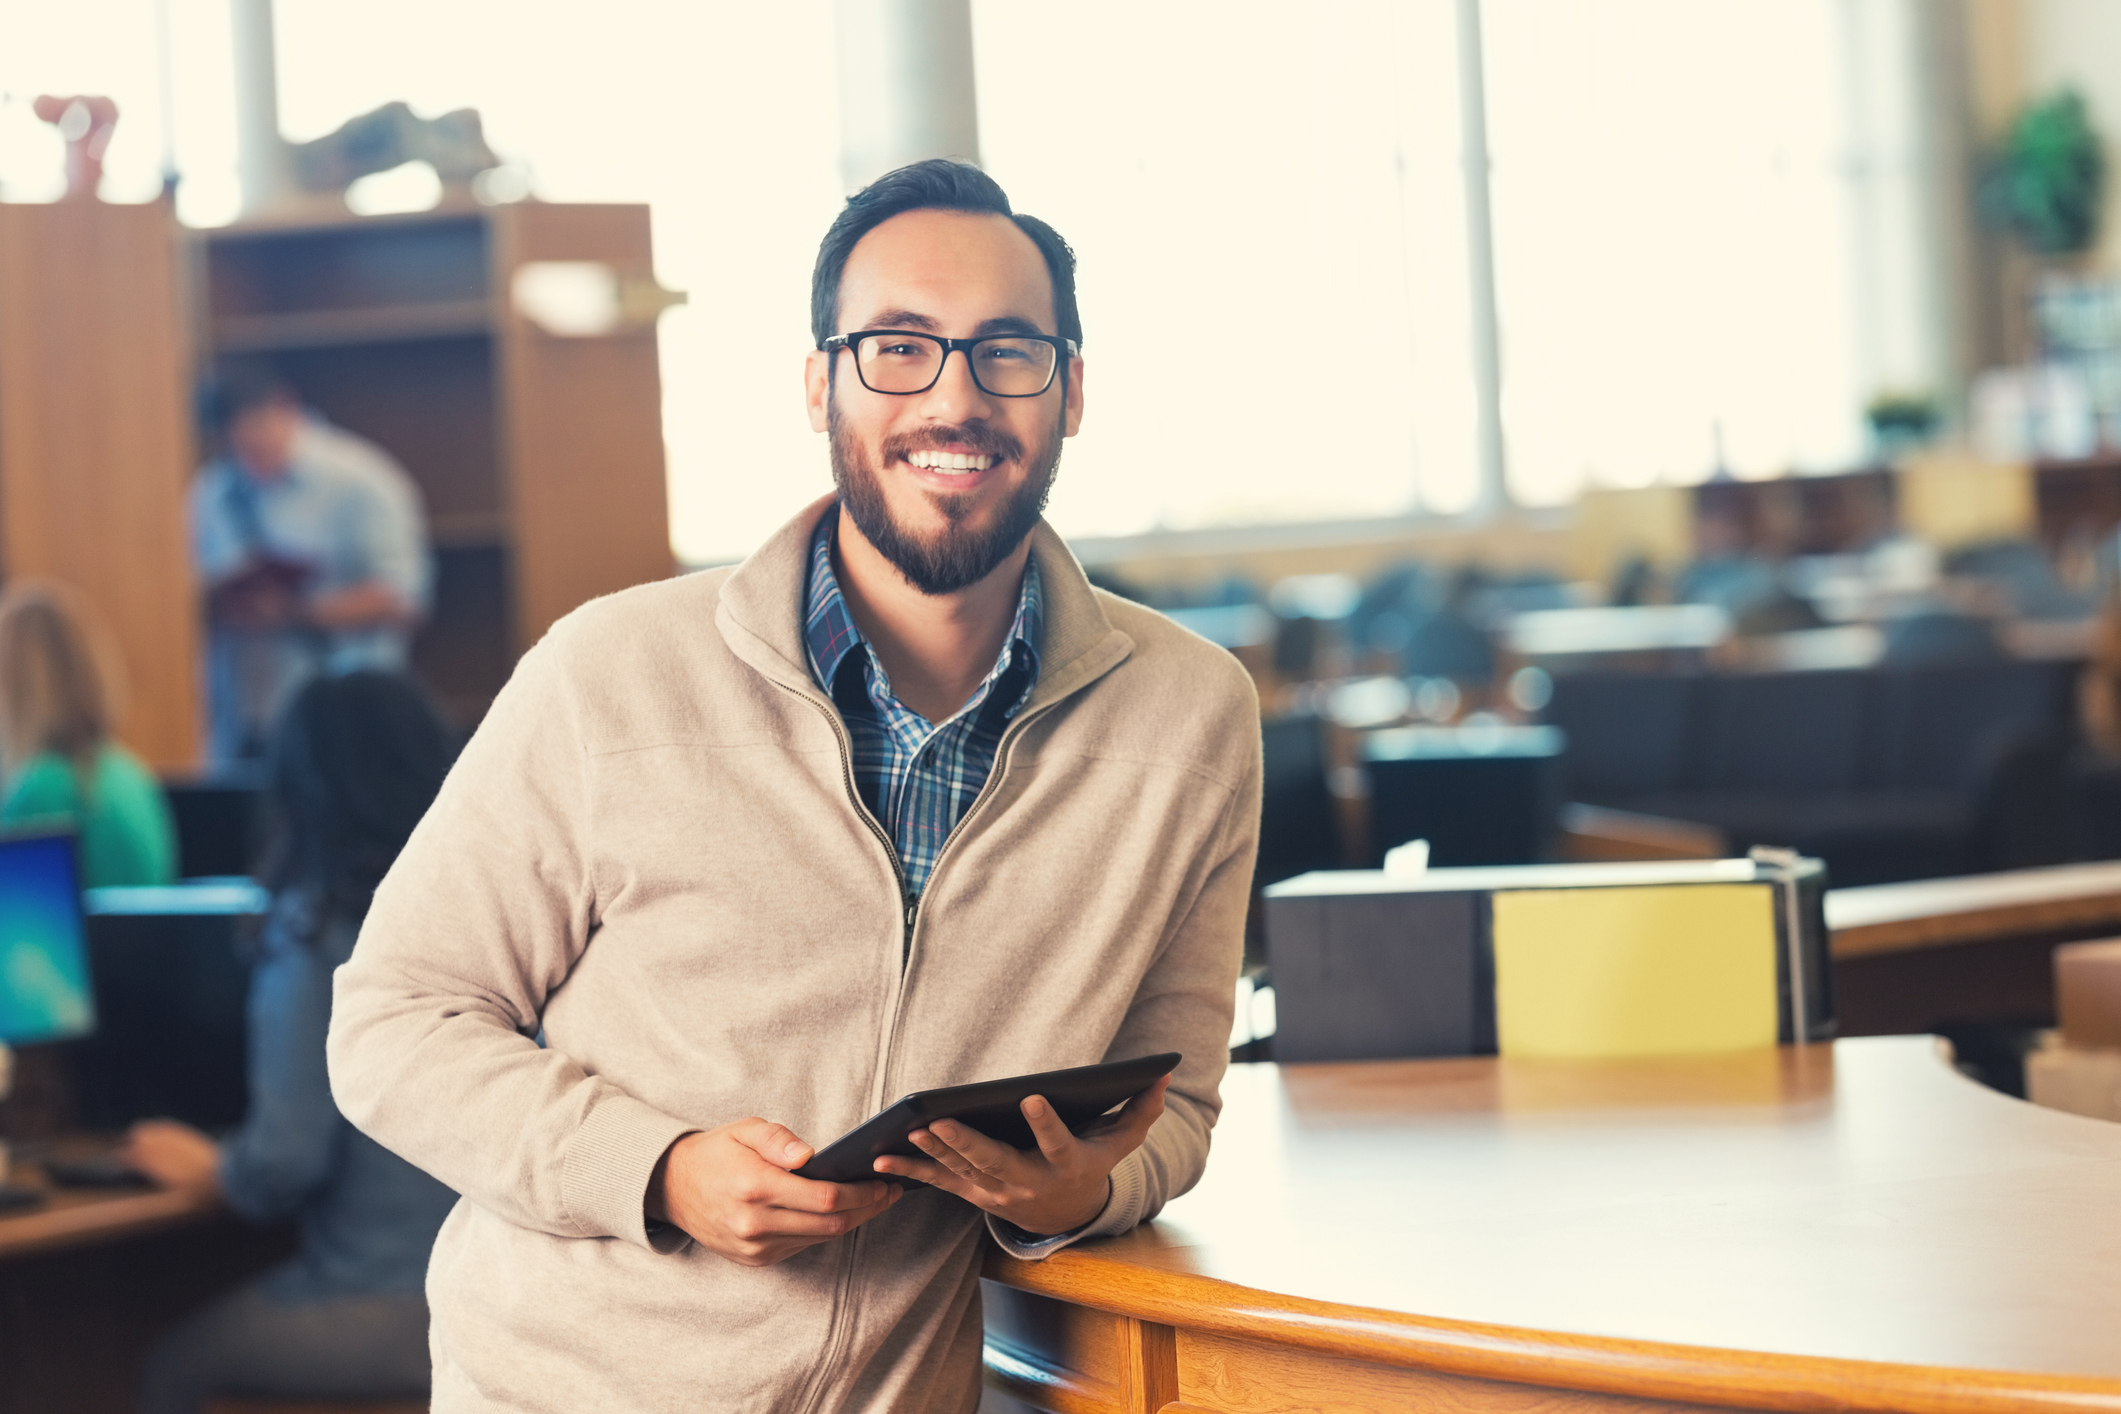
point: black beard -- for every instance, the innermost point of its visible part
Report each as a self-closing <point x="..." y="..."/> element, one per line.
<point x="958" y="557"/>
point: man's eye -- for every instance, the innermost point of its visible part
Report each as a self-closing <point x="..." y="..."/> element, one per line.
<point x="1005" y="353"/>
<point x="902" y="350"/>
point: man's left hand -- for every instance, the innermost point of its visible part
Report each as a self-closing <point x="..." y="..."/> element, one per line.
<point x="1056" y="1188"/>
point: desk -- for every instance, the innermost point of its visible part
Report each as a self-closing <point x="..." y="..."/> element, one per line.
<point x="92" y="1278"/>
<point x="83" y="1217"/>
<point x="1853" y="1227"/>
<point x="1923" y="955"/>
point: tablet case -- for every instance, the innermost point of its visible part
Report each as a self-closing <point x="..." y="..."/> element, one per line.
<point x="1079" y="1096"/>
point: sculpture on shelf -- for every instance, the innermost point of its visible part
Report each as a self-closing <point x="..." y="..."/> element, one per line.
<point x="86" y="122"/>
<point x="453" y="144"/>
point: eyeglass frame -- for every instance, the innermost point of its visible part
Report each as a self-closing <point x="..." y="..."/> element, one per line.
<point x="1063" y="350"/>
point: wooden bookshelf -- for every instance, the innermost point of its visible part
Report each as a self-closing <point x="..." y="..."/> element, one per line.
<point x="539" y="458"/>
<point x="96" y="442"/>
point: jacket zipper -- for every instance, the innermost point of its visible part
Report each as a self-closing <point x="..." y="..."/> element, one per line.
<point x="854" y="798"/>
<point x="837" y="1338"/>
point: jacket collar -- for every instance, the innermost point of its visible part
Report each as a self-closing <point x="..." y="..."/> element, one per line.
<point x="760" y="614"/>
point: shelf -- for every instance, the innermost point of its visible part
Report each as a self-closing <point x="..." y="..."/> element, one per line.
<point x="375" y="324"/>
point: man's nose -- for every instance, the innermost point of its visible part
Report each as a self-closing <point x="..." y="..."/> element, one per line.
<point x="956" y="396"/>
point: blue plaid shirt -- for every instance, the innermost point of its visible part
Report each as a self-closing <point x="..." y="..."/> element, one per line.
<point x="917" y="778"/>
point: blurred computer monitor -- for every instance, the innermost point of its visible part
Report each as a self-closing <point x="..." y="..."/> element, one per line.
<point x="44" y="974"/>
<point x="171" y="981"/>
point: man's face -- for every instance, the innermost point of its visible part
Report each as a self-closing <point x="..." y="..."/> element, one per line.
<point x="262" y="438"/>
<point x="957" y="275"/>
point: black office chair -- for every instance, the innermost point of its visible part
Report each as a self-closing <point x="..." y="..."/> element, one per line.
<point x="1299" y="828"/>
<point x="220" y="822"/>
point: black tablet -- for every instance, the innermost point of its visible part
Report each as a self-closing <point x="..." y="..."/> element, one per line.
<point x="993" y="1107"/>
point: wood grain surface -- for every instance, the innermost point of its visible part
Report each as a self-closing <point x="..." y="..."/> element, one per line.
<point x="1854" y="1227"/>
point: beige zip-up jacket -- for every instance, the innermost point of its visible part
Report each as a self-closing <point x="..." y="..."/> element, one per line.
<point x="652" y="858"/>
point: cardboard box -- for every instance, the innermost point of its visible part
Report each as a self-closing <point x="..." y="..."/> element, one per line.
<point x="2081" y="1081"/>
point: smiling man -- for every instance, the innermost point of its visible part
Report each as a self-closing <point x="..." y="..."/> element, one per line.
<point x="899" y="802"/>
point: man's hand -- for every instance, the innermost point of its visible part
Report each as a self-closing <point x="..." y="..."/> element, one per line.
<point x="729" y="1188"/>
<point x="173" y="1155"/>
<point x="1056" y="1188"/>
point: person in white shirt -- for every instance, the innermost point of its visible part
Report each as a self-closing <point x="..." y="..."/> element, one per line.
<point x="311" y="551"/>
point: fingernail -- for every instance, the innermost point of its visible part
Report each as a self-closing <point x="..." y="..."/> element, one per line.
<point x="795" y="1151"/>
<point x="1035" y="1107"/>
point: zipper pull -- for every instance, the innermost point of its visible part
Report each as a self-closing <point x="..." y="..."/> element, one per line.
<point x="911" y="906"/>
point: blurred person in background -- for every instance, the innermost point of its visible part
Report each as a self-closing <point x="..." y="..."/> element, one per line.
<point x="58" y="706"/>
<point x="311" y="551"/>
<point x="356" y="761"/>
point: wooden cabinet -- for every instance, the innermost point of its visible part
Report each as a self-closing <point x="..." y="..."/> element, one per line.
<point x="539" y="457"/>
<point x="96" y="442"/>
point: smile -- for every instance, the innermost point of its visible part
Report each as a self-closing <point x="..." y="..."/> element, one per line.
<point x="950" y="461"/>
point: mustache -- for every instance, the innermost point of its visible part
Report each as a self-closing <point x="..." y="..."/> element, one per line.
<point x="981" y="438"/>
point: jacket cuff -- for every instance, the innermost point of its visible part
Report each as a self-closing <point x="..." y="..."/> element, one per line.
<point x="1129" y="1202"/>
<point x="605" y="1171"/>
<point x="1122" y="1213"/>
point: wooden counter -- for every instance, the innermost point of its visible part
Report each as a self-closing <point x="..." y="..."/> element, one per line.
<point x="1928" y="913"/>
<point x="1854" y="1227"/>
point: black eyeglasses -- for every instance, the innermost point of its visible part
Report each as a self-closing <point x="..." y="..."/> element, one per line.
<point x="900" y="363"/>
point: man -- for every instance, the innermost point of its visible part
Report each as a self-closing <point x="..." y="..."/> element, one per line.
<point x="736" y="859"/>
<point x="311" y="551"/>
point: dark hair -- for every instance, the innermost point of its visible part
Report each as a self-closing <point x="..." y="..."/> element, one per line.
<point x="237" y="387"/>
<point x="938" y="184"/>
<point x="356" y="760"/>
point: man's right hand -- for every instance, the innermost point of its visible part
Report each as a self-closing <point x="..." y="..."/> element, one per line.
<point x="730" y="1189"/>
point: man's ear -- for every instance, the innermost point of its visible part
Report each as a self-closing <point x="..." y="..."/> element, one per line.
<point x="1072" y="409"/>
<point x="817" y="388"/>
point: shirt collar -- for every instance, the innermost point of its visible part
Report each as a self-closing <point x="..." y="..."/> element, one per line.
<point x="830" y="633"/>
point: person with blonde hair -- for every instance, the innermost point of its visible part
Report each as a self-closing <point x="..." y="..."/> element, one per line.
<point x="60" y="764"/>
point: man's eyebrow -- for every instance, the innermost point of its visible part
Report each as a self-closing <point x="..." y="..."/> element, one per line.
<point x="1007" y="324"/>
<point x="901" y="319"/>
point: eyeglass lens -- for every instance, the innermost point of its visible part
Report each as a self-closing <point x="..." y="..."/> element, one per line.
<point x="911" y="363"/>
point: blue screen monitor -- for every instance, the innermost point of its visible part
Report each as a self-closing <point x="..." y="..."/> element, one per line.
<point x="44" y="984"/>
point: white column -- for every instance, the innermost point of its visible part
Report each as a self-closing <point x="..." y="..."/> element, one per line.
<point x="262" y="160"/>
<point x="1480" y="261"/>
<point x="906" y="85"/>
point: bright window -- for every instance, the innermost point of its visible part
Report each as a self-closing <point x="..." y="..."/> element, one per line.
<point x="1708" y="221"/>
<point x="1707" y="234"/>
<point x="1269" y="221"/>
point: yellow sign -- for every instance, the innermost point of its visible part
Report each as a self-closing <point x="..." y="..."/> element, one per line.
<point x="1649" y="971"/>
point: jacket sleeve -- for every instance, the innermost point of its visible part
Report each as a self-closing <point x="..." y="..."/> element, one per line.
<point x="1184" y="1003"/>
<point x="433" y="1045"/>
<point x="287" y="1144"/>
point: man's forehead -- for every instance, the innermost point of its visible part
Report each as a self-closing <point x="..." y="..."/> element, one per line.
<point x="951" y="266"/>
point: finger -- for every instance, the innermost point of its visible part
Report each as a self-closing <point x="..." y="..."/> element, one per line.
<point x="787" y="1222"/>
<point x="989" y="1156"/>
<point x="926" y="1171"/>
<point x="1054" y="1140"/>
<point x="959" y="1167"/>
<point x="777" y="1144"/>
<point x="811" y="1195"/>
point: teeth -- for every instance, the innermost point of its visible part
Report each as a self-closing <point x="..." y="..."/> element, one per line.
<point x="950" y="461"/>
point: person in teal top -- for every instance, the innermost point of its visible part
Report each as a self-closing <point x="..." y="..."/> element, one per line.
<point x="61" y="766"/>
